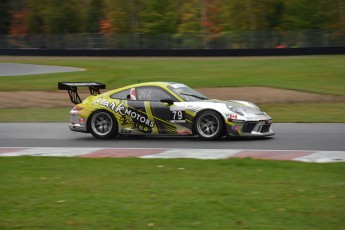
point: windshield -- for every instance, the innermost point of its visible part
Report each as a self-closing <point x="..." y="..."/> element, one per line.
<point x="186" y="93"/>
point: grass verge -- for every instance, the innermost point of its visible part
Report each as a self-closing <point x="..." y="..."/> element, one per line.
<point x="332" y="112"/>
<point x="35" y="115"/>
<point x="75" y="193"/>
<point x="317" y="74"/>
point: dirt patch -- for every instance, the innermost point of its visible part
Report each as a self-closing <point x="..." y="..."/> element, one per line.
<point x="35" y="99"/>
<point x="42" y="99"/>
<point x="266" y="95"/>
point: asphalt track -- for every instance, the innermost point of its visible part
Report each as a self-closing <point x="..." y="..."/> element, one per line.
<point x="15" y="69"/>
<point x="319" y="143"/>
<point x="320" y="137"/>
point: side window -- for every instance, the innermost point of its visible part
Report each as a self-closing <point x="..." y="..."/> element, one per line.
<point x="120" y="95"/>
<point x="151" y="94"/>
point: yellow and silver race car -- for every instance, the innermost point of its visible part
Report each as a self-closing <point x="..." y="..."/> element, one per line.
<point x="161" y="108"/>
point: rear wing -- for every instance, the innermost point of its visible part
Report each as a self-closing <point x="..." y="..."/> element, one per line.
<point x="72" y="88"/>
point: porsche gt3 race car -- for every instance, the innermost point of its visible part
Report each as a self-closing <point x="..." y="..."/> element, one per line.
<point x="161" y="108"/>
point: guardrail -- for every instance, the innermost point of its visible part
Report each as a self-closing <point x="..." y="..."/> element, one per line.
<point x="174" y="52"/>
<point x="186" y="41"/>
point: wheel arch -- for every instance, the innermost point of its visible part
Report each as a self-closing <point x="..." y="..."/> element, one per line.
<point x="205" y="110"/>
<point x="89" y="119"/>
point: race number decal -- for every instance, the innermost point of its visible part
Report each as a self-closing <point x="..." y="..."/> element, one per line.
<point x="177" y="116"/>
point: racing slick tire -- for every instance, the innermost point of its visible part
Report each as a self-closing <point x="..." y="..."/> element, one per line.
<point x="209" y="125"/>
<point x="103" y="125"/>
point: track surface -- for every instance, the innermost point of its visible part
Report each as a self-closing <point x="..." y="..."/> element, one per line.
<point x="320" y="137"/>
<point x="300" y="142"/>
<point x="14" y="69"/>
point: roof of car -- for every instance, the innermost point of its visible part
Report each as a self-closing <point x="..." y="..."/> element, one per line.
<point x="154" y="83"/>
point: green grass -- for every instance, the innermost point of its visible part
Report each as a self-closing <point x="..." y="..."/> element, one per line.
<point x="318" y="74"/>
<point x="306" y="112"/>
<point x="35" y="115"/>
<point x="75" y="193"/>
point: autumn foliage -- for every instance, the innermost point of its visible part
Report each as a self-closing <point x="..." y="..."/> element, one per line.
<point x="211" y="18"/>
<point x="19" y="22"/>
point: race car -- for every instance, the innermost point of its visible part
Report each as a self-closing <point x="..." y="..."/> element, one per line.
<point x="161" y="108"/>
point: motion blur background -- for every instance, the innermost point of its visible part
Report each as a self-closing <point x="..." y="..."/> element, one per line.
<point x="171" y="24"/>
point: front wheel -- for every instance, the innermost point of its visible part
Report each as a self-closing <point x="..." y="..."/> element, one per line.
<point x="103" y="125"/>
<point x="209" y="125"/>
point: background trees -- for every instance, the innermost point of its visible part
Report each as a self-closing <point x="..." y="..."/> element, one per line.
<point x="193" y="23"/>
<point x="211" y="17"/>
<point x="5" y="16"/>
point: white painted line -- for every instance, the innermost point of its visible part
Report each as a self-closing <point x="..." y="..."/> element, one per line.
<point x="195" y="153"/>
<point x="53" y="152"/>
<point x="323" y="157"/>
<point x="206" y="154"/>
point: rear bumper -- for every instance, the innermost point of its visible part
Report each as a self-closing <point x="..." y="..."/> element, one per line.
<point x="77" y="128"/>
<point x="78" y="123"/>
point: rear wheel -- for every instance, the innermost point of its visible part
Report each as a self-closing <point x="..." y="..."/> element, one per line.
<point x="209" y="125"/>
<point x="103" y="125"/>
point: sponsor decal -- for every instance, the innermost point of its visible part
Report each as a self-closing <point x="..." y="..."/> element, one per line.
<point x="177" y="116"/>
<point x="183" y="132"/>
<point x="233" y="116"/>
<point x="136" y="115"/>
<point x="236" y="127"/>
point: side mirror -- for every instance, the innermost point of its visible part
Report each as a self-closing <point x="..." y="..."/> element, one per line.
<point x="167" y="100"/>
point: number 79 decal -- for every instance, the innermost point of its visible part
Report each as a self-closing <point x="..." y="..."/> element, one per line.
<point x="177" y="116"/>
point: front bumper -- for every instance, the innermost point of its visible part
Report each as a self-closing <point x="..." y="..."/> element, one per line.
<point x="256" y="128"/>
<point x="251" y="128"/>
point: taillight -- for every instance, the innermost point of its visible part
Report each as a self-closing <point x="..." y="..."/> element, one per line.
<point x="78" y="108"/>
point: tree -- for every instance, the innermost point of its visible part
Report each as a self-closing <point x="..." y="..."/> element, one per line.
<point x="54" y="16"/>
<point x="201" y="21"/>
<point x="211" y="20"/>
<point x="190" y="17"/>
<point x="250" y="15"/>
<point x="189" y="27"/>
<point x="94" y="16"/>
<point x="309" y="14"/>
<point x="5" y="16"/>
<point x="19" y="25"/>
<point x="159" y="16"/>
<point x="124" y="15"/>
<point x="274" y="14"/>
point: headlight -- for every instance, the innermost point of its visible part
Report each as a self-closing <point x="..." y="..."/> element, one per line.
<point x="253" y="105"/>
<point x="238" y="111"/>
